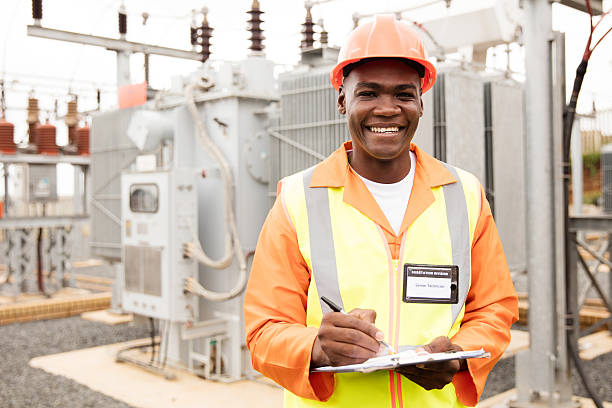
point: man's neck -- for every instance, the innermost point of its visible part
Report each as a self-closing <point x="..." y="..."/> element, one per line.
<point x="380" y="171"/>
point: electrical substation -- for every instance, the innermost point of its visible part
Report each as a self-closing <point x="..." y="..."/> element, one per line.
<point x="173" y="191"/>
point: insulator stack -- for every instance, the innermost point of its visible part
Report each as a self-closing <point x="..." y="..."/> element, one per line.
<point x="122" y="21"/>
<point x="83" y="140"/>
<point x="72" y="135"/>
<point x="193" y="30"/>
<point x="33" y="110"/>
<point x="72" y="116"/>
<point x="308" y="30"/>
<point x="323" y="35"/>
<point x="37" y="9"/>
<point x="193" y="35"/>
<point x="255" y="27"/>
<point x="46" y="135"/>
<point x="71" y="120"/>
<point x="33" y="133"/>
<point x="204" y="38"/>
<point x="7" y="131"/>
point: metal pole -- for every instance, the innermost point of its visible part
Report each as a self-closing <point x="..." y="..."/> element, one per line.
<point x="5" y="174"/>
<point x="576" y="152"/>
<point x="540" y="199"/>
<point x="123" y="68"/>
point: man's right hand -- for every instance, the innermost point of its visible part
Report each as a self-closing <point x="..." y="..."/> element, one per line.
<point x="346" y="339"/>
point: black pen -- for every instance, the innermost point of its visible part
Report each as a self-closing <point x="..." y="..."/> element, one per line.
<point x="337" y="308"/>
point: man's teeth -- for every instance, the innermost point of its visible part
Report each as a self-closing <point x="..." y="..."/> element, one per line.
<point x="384" y="130"/>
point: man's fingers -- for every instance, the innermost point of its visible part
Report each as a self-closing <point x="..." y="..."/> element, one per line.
<point x="442" y="366"/>
<point x="439" y="345"/>
<point x="348" y="353"/>
<point x="367" y="315"/>
<point x="352" y="337"/>
<point x="352" y="322"/>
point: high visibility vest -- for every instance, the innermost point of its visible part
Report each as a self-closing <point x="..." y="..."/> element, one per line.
<point x="351" y="263"/>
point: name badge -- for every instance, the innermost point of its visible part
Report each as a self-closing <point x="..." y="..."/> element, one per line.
<point x="431" y="283"/>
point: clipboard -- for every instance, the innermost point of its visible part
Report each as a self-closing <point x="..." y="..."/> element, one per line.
<point x="404" y="358"/>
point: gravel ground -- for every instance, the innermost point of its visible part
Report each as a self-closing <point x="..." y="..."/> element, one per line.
<point x="23" y="386"/>
<point x="599" y="371"/>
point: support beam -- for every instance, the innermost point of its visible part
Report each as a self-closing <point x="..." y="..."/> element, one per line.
<point x="540" y="216"/>
<point x="596" y="5"/>
<point x="111" y="43"/>
<point x="547" y="359"/>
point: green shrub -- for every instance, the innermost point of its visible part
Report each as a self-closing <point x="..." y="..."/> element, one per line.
<point x="591" y="162"/>
<point x="591" y="197"/>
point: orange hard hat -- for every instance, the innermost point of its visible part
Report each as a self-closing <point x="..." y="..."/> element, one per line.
<point x="384" y="37"/>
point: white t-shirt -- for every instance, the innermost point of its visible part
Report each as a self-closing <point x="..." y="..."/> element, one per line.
<point x="393" y="198"/>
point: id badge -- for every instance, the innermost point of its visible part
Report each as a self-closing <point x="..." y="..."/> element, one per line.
<point x="431" y="283"/>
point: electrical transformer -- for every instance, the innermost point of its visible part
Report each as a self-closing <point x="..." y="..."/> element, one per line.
<point x="191" y="172"/>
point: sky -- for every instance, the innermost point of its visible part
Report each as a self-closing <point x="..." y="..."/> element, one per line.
<point x="51" y="70"/>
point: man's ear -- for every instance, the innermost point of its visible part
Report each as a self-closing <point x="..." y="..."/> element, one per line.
<point x="341" y="102"/>
<point x="421" y="101"/>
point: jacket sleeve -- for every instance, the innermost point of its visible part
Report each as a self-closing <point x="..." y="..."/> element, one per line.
<point x="490" y="310"/>
<point x="275" y="310"/>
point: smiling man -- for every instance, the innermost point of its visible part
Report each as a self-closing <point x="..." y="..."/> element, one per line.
<point x="405" y="242"/>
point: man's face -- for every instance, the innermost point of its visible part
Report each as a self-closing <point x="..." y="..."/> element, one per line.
<point x="382" y="102"/>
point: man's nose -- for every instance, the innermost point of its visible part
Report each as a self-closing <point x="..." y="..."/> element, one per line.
<point x="386" y="106"/>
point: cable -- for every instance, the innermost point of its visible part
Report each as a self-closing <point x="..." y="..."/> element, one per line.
<point x="167" y="327"/>
<point x="194" y="249"/>
<point x="152" y="326"/>
<point x="578" y="363"/>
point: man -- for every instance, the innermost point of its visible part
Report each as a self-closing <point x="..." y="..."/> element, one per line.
<point x="352" y="227"/>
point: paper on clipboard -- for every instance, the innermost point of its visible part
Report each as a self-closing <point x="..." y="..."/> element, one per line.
<point x="404" y="358"/>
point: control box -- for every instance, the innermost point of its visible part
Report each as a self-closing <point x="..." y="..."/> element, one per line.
<point x="159" y="215"/>
<point x="42" y="186"/>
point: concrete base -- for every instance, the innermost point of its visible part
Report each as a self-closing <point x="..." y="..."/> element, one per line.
<point x="96" y="368"/>
<point x="595" y="345"/>
<point x="107" y="317"/>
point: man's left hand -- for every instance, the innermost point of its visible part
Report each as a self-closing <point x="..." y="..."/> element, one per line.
<point x="435" y="375"/>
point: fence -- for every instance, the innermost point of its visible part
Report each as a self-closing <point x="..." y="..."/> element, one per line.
<point x="596" y="131"/>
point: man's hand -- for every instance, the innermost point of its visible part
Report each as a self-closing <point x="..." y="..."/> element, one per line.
<point x="435" y="375"/>
<point x="346" y="339"/>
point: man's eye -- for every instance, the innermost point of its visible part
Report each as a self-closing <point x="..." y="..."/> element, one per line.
<point x="366" y="94"/>
<point x="405" y="95"/>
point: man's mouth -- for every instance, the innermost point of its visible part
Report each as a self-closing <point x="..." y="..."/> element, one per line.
<point x="377" y="129"/>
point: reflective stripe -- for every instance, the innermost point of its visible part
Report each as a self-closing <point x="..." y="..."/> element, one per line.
<point x="459" y="229"/>
<point x="323" y="255"/>
<point x="322" y="250"/>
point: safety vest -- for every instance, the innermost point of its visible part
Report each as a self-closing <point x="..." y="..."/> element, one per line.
<point x="351" y="262"/>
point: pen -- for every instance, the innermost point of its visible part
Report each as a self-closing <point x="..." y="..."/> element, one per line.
<point x="337" y="308"/>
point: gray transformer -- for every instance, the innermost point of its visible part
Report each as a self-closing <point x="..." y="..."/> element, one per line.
<point x="142" y="158"/>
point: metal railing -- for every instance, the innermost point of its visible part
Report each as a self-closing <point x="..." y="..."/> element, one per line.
<point x="575" y="297"/>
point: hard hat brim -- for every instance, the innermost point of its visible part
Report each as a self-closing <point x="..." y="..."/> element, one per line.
<point x="427" y="81"/>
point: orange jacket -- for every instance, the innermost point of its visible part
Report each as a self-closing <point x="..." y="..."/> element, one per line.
<point x="275" y="299"/>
